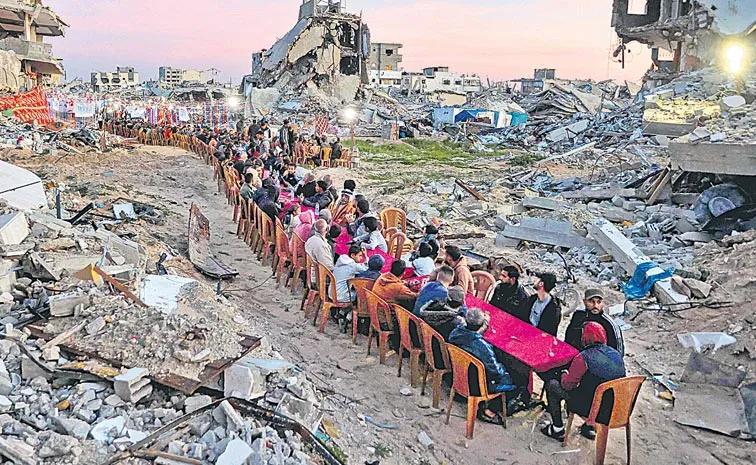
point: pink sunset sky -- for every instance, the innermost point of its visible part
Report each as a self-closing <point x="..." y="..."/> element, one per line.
<point x="496" y="39"/>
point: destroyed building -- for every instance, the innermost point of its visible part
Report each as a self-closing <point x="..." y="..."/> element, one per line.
<point x="683" y="35"/>
<point x="23" y="27"/>
<point x="328" y="48"/>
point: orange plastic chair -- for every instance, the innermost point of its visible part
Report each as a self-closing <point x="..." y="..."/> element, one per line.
<point x="325" y="157"/>
<point x="243" y="219"/>
<point x="299" y="262"/>
<point x="253" y="228"/>
<point x="396" y="245"/>
<point x="312" y="289"/>
<point x="625" y="391"/>
<point x="380" y="312"/>
<point x="462" y="363"/>
<point x="257" y="240"/>
<point x="387" y="233"/>
<point x="406" y="321"/>
<point x="344" y="160"/>
<point x="282" y="257"/>
<point x="358" y="286"/>
<point x="327" y="291"/>
<point x="394" y="218"/>
<point x="436" y="361"/>
<point x="484" y="282"/>
<point x="268" y="237"/>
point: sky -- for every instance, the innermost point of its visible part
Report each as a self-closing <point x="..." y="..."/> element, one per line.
<point x="496" y="39"/>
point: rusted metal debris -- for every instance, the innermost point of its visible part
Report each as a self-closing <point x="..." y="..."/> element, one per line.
<point x="123" y="289"/>
<point x="199" y="247"/>
<point x="470" y="190"/>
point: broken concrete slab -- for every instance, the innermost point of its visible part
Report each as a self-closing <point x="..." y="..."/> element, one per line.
<point x="196" y="402"/>
<point x="244" y="382"/>
<point x="544" y="231"/>
<point x="732" y="102"/>
<point x="21" y="188"/>
<point x="699" y="289"/>
<point x="236" y="453"/>
<point x="63" y="305"/>
<point x="164" y="292"/>
<point x="232" y="416"/>
<point x="568" y="131"/>
<point x="714" y="408"/>
<point x="19" y="452"/>
<point x="95" y="326"/>
<point x="13" y="228"/>
<point x="736" y="159"/>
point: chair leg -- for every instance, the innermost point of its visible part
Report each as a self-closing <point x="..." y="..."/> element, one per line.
<point x="370" y="339"/>
<point x="449" y="405"/>
<point x="355" y="321"/>
<point x="401" y="361"/>
<point x="602" y="436"/>
<point x="570" y="419"/>
<point x="437" y="378"/>
<point x="472" y="411"/>
<point x="628" y="438"/>
<point x="425" y="379"/>
<point x="324" y="317"/>
<point x="382" y="341"/>
<point x="504" y="409"/>
<point x="414" y="368"/>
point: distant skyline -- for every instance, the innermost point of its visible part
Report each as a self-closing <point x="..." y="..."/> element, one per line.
<point x="495" y="39"/>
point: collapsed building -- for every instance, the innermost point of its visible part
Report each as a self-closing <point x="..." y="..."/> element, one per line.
<point x="684" y="35"/>
<point x="327" y="49"/>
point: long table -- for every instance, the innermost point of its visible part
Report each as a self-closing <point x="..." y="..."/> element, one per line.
<point x="538" y="350"/>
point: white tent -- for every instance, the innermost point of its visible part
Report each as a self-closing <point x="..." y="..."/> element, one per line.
<point x="21" y="188"/>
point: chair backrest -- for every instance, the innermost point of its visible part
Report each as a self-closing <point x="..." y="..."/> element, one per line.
<point x="624" y="392"/>
<point x="407" y="321"/>
<point x="315" y="150"/>
<point x="388" y="232"/>
<point x="268" y="230"/>
<point x="282" y="242"/>
<point x="466" y="370"/>
<point x="484" y="282"/>
<point x="327" y="153"/>
<point x="360" y="285"/>
<point x="436" y="352"/>
<point x="326" y="285"/>
<point x="396" y="245"/>
<point x="394" y="218"/>
<point x="379" y="311"/>
<point x="311" y="272"/>
<point x="297" y="245"/>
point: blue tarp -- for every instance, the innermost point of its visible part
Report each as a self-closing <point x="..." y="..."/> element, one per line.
<point x="640" y="284"/>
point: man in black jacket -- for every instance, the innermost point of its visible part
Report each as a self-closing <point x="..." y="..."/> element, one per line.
<point x="509" y="295"/>
<point x="543" y="310"/>
<point x="594" y="311"/>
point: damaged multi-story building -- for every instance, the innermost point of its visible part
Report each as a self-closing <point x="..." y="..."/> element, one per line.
<point x="23" y="26"/>
<point x="328" y="48"/>
<point x="684" y="35"/>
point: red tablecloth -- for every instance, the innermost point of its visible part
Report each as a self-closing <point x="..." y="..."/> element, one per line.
<point x="528" y="344"/>
<point x="287" y="199"/>
<point x="342" y="248"/>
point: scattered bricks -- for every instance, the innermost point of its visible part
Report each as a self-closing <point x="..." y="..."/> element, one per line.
<point x="699" y="289"/>
<point x="196" y="402"/>
<point x="132" y="386"/>
<point x="95" y="326"/>
<point x="232" y="416"/>
<point x="13" y="228"/>
<point x="65" y="304"/>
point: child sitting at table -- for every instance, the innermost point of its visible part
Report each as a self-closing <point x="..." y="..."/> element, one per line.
<point x="424" y="263"/>
<point x="373" y="239"/>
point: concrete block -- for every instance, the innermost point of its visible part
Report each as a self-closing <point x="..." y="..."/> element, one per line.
<point x="30" y="370"/>
<point x="232" y="416"/>
<point x="95" y="326"/>
<point x="236" y="453"/>
<point x="567" y="131"/>
<point x="132" y="386"/>
<point x="732" y="102"/>
<point x="243" y="382"/>
<point x="6" y="386"/>
<point x="64" y="304"/>
<point x="506" y="242"/>
<point x="699" y="289"/>
<point x="61" y="227"/>
<point x="196" y="402"/>
<point x="13" y="228"/>
<point x="51" y="354"/>
<point x="7" y="276"/>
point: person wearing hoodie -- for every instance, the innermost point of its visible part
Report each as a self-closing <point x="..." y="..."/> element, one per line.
<point x="594" y="311"/>
<point x="347" y="267"/>
<point x="597" y="363"/>
<point x="435" y="290"/>
<point x="321" y="200"/>
<point x="306" y="220"/>
<point x="509" y="295"/>
<point x="462" y="275"/>
<point x="444" y="316"/>
<point x="469" y="338"/>
<point x="372" y="239"/>
<point x="390" y="287"/>
<point x="375" y="265"/>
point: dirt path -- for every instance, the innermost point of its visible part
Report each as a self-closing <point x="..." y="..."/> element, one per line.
<point x="356" y="385"/>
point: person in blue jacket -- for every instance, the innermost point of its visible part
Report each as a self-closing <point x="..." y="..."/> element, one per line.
<point x="470" y="339"/>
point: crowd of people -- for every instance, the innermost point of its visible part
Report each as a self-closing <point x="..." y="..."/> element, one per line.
<point x="267" y="164"/>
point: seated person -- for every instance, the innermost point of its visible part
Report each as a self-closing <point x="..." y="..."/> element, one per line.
<point x="390" y="287"/>
<point x="462" y="275"/>
<point x="289" y="177"/>
<point x="594" y="311"/>
<point x="318" y="247"/>
<point x="470" y="339"/>
<point x="436" y="290"/>
<point x="321" y="200"/>
<point x="291" y="219"/>
<point x="347" y="267"/>
<point x="597" y="363"/>
<point x="424" y="263"/>
<point x="430" y="234"/>
<point x="356" y="227"/>
<point x="332" y="191"/>
<point x="344" y="207"/>
<point x="372" y="239"/>
<point x="262" y="191"/>
<point x="543" y="310"/>
<point x="306" y="220"/>
<point x="509" y="295"/>
<point x="247" y="189"/>
<point x="306" y="187"/>
<point x="445" y="315"/>
<point x="334" y="231"/>
<point x="268" y="203"/>
<point x="375" y="265"/>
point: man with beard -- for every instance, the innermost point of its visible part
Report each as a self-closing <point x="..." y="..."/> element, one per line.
<point x="509" y="295"/>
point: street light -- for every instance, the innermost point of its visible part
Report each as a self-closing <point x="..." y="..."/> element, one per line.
<point x="735" y="54"/>
<point x="349" y="114"/>
<point x="233" y="102"/>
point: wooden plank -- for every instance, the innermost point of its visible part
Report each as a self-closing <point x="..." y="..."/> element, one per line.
<point x="65" y="335"/>
<point x="628" y="256"/>
<point x="658" y="186"/>
<point x="17" y="451"/>
<point x="733" y="159"/>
